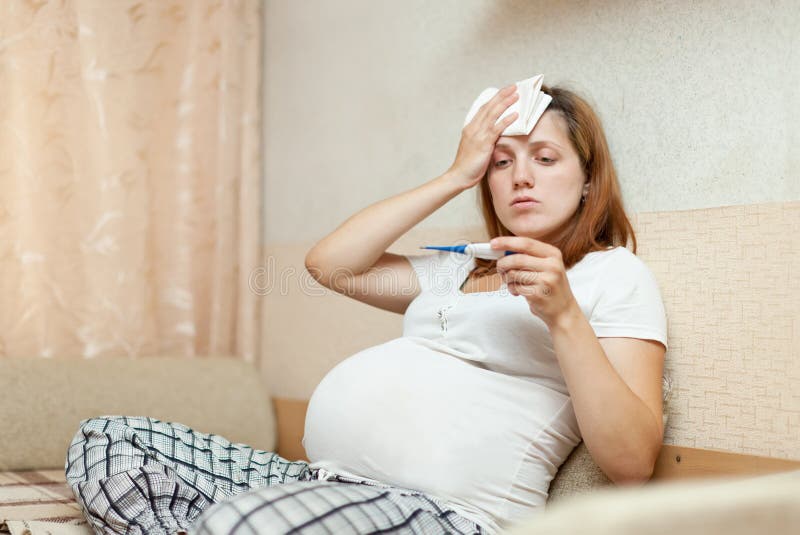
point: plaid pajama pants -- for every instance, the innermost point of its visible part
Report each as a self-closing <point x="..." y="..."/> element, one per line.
<point x="139" y="475"/>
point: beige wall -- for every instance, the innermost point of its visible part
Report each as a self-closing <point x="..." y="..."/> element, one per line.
<point x="700" y="104"/>
<point x="364" y="99"/>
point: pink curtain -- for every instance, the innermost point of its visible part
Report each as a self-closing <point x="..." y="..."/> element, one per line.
<point x="130" y="178"/>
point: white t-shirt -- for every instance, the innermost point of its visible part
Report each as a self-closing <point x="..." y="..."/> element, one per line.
<point x="469" y="405"/>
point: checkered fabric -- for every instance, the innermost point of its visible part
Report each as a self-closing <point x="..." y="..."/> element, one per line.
<point x="139" y="475"/>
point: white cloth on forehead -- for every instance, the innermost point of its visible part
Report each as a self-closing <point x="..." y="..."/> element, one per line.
<point x="530" y="106"/>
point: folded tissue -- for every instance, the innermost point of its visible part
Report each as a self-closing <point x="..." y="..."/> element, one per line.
<point x="530" y="106"/>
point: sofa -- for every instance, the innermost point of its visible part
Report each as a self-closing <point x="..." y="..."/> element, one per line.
<point x="720" y="470"/>
<point x="44" y="400"/>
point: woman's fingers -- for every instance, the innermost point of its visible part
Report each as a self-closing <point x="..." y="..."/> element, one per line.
<point x="497" y="108"/>
<point x="528" y="290"/>
<point x="479" y="136"/>
<point x="502" y="125"/>
<point x="494" y="107"/>
<point x="521" y="276"/>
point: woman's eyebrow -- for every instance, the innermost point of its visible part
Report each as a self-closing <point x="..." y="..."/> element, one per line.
<point x="540" y="142"/>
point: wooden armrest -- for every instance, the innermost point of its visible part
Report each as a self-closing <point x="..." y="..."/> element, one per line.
<point x="680" y="462"/>
<point x="291" y="418"/>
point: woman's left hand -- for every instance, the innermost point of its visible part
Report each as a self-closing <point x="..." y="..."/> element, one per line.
<point x="536" y="273"/>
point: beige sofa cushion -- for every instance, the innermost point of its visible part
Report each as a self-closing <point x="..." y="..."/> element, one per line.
<point x="43" y="401"/>
<point x="730" y="506"/>
<point x="578" y="474"/>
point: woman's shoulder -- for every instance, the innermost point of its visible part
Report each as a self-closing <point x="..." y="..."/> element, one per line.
<point x="615" y="264"/>
<point x="625" y="257"/>
<point x="626" y="299"/>
<point x="619" y="257"/>
<point x="623" y="270"/>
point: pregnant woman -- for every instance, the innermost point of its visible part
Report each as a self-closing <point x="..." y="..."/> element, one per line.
<point x="459" y="425"/>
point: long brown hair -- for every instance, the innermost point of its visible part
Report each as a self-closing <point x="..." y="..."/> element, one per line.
<point x="600" y="220"/>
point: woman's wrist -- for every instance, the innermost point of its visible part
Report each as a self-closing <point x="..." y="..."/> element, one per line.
<point x="567" y="320"/>
<point x="454" y="180"/>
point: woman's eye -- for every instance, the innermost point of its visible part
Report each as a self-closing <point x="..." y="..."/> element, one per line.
<point x="543" y="159"/>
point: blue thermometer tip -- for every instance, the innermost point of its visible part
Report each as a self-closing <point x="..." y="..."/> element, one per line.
<point x="455" y="248"/>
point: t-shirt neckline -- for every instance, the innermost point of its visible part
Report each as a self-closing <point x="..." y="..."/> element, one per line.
<point x="469" y="266"/>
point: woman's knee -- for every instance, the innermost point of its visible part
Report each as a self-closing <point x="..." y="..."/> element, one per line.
<point x="292" y="507"/>
<point x="105" y="428"/>
<point x="235" y="514"/>
<point x="96" y="439"/>
<point x="102" y="429"/>
<point x="103" y="423"/>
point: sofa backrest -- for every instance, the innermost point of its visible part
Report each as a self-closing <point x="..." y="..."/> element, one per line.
<point x="43" y="401"/>
<point x="731" y="287"/>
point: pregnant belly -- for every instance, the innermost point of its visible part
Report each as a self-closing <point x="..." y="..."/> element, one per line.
<point x="409" y="415"/>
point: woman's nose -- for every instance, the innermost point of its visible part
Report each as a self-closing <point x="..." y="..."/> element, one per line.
<point x="523" y="173"/>
<point x="523" y="178"/>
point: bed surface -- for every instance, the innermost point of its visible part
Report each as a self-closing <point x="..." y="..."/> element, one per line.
<point x="39" y="502"/>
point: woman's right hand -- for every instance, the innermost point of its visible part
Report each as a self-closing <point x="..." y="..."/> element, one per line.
<point x="479" y="137"/>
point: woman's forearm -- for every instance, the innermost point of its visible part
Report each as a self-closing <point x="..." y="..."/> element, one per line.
<point x="360" y="241"/>
<point x="617" y="426"/>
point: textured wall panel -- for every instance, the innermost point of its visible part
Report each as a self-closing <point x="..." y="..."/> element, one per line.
<point x="730" y="281"/>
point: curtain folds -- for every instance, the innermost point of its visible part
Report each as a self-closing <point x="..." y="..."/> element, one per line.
<point x="130" y="187"/>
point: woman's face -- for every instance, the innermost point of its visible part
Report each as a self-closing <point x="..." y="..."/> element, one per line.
<point x="544" y="166"/>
